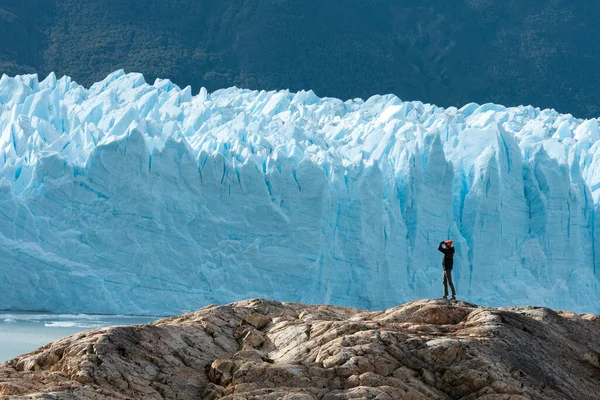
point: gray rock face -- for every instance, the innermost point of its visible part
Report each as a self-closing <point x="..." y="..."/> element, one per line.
<point x="261" y="349"/>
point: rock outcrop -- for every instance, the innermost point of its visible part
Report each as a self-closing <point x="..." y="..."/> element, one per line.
<point x="261" y="349"/>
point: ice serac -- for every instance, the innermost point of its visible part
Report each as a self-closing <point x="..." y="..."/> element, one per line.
<point x="135" y="198"/>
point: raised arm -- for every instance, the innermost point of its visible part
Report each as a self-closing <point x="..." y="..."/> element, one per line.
<point x="441" y="249"/>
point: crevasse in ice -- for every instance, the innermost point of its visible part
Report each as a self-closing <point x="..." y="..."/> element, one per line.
<point x="143" y="199"/>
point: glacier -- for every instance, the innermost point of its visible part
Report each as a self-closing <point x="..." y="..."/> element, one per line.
<point x="130" y="198"/>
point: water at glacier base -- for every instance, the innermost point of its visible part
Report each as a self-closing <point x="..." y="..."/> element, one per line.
<point x="22" y="333"/>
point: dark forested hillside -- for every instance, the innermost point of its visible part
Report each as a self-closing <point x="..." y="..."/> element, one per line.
<point x="540" y="52"/>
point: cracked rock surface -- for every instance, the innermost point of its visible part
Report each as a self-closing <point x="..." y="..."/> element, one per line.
<point x="262" y="349"/>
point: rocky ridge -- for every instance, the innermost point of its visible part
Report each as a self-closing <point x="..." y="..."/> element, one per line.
<point x="261" y="349"/>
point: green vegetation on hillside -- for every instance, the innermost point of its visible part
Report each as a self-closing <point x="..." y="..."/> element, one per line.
<point x="540" y="52"/>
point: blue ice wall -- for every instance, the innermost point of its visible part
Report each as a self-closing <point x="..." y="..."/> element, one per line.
<point x="143" y="199"/>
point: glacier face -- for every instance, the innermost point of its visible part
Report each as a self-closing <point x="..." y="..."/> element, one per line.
<point x="143" y="199"/>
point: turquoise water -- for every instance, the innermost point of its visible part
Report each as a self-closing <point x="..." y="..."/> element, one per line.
<point x="22" y="333"/>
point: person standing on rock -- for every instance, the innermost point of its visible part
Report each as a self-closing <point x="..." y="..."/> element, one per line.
<point x="448" y="262"/>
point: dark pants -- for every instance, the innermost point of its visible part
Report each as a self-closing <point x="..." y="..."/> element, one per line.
<point x="448" y="280"/>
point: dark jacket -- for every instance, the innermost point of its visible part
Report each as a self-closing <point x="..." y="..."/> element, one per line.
<point x="448" y="261"/>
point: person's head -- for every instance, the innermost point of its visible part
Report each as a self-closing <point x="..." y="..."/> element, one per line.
<point x="448" y="243"/>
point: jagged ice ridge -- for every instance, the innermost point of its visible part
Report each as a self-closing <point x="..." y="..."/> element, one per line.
<point x="143" y="199"/>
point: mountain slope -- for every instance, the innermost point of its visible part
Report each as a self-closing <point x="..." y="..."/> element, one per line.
<point x="260" y="349"/>
<point x="541" y="52"/>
